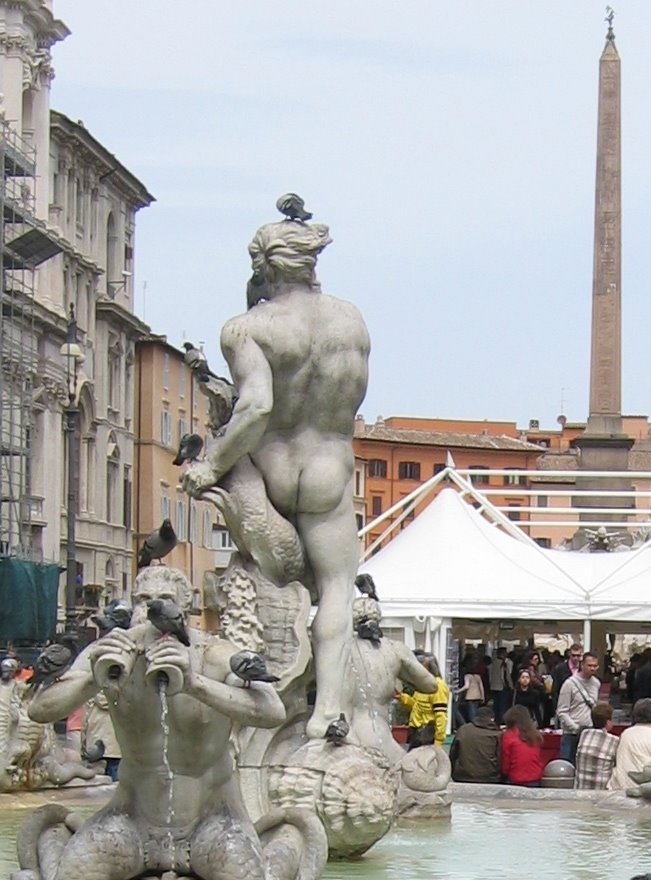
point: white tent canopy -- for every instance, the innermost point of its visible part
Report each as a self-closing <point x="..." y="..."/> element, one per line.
<point x="453" y="563"/>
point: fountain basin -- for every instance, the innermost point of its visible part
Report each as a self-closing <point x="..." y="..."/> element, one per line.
<point x="575" y="834"/>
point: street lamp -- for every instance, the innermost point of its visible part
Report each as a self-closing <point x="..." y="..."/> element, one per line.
<point x="73" y="356"/>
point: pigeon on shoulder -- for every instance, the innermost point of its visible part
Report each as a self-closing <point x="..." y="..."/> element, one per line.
<point x="370" y="630"/>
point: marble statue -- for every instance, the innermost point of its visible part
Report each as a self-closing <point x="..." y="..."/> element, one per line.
<point x="425" y="772"/>
<point x="298" y="359"/>
<point x="642" y="780"/>
<point x="31" y="756"/>
<point x="177" y="807"/>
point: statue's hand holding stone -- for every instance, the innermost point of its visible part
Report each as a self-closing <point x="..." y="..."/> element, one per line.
<point x="112" y="658"/>
<point x="199" y="477"/>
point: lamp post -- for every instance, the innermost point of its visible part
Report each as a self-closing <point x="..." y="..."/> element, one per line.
<point x="73" y="356"/>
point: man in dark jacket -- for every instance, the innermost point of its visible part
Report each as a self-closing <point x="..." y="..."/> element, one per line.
<point x="565" y="670"/>
<point x="642" y="680"/>
<point x="475" y="752"/>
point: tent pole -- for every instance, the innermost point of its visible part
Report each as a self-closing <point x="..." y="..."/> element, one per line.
<point x="587" y="635"/>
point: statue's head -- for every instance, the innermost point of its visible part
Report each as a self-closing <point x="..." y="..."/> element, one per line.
<point x="8" y="669"/>
<point x="365" y="608"/>
<point x="159" y="582"/>
<point x="285" y="252"/>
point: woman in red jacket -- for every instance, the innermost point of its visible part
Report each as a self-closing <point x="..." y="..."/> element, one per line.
<point x="522" y="762"/>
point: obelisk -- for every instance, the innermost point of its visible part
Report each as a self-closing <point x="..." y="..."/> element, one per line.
<point x="603" y="446"/>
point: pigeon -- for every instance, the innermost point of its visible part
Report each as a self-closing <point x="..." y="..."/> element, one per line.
<point x="197" y="361"/>
<point x="293" y="207"/>
<point x="116" y="614"/>
<point x="366" y="585"/>
<point x="168" y="619"/>
<point x="158" y="544"/>
<point x="189" y="448"/>
<point x="369" y="629"/>
<point x="337" y="731"/>
<point x="250" y="666"/>
<point x="94" y="753"/>
<point x="53" y="661"/>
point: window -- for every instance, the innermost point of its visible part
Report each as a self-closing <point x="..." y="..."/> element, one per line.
<point x="358" y="483"/>
<point x="182" y="378"/>
<point x="377" y="467"/>
<point x="166" y="427"/>
<point x="194" y="529"/>
<point x="542" y="501"/>
<point x="479" y="479"/>
<point x="165" y="507"/>
<point x="207" y="528"/>
<point x="181" y="521"/>
<point x="115" y="353"/>
<point x="126" y="498"/>
<point x="112" y="476"/>
<point x="183" y="428"/>
<point x="438" y="468"/>
<point x="514" y="512"/>
<point x="80" y="199"/>
<point x="408" y="470"/>
<point x="360" y="521"/>
<point x="166" y="371"/>
<point x="376" y="505"/>
<point x="544" y="542"/>
<point x="515" y="479"/>
<point x="222" y="539"/>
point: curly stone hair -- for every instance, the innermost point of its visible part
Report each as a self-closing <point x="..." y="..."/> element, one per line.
<point x="288" y="251"/>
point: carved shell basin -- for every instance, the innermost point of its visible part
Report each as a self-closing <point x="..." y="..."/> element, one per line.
<point x="352" y="790"/>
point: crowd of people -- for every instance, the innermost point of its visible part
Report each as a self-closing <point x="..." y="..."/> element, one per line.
<point x="513" y="698"/>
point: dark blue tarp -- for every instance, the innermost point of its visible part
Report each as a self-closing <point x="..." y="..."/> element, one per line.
<point x="28" y="600"/>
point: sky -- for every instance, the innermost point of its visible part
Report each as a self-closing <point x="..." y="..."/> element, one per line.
<point x="450" y="147"/>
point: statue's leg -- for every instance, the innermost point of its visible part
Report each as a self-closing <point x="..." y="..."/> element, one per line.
<point x="109" y="847"/>
<point x="226" y="847"/>
<point x="331" y="546"/>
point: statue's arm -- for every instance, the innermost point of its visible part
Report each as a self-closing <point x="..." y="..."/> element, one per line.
<point x="254" y="382"/>
<point x="64" y="696"/>
<point x="414" y="673"/>
<point x="257" y="706"/>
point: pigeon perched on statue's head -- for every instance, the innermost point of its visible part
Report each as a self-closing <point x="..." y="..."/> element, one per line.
<point x="54" y="660"/>
<point x="293" y="207"/>
<point x="251" y="666"/>
<point x="189" y="448"/>
<point x="168" y="619"/>
<point x="366" y="585"/>
<point x="158" y="544"/>
<point x="337" y="731"/>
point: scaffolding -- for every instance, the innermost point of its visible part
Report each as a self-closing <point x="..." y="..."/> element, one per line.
<point x="25" y="244"/>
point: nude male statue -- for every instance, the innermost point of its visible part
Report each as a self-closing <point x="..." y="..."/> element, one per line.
<point x="299" y="360"/>
<point x="183" y="813"/>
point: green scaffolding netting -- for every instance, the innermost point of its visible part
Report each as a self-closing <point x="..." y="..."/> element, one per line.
<point x="28" y="600"/>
